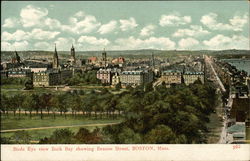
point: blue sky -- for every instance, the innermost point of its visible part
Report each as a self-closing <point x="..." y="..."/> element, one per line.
<point x="165" y="25"/>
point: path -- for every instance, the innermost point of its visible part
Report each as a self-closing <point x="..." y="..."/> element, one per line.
<point x="207" y="59"/>
<point x="52" y="127"/>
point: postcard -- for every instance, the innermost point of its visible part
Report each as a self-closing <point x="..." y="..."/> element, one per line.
<point x="125" y="80"/>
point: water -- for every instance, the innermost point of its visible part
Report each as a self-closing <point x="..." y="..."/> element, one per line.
<point x="240" y="64"/>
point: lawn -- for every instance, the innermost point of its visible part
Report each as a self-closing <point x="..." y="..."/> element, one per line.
<point x="25" y="122"/>
<point x="12" y="122"/>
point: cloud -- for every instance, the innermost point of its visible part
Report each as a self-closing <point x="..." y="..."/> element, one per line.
<point x="107" y="28"/>
<point x="128" y="24"/>
<point x="18" y="35"/>
<point x="52" y="23"/>
<point x="32" y="15"/>
<point x="220" y="42"/>
<point x="188" y="43"/>
<point x="80" y="14"/>
<point x="11" y="22"/>
<point x="84" y="24"/>
<point x="174" y="20"/>
<point x="43" y="45"/>
<point x="147" y="30"/>
<point x="7" y="46"/>
<point x="235" y="24"/>
<point x="239" y="21"/>
<point x="37" y="34"/>
<point x="150" y="43"/>
<point x="64" y="43"/>
<point x="40" y="34"/>
<point x="194" y="31"/>
<point x="91" y="40"/>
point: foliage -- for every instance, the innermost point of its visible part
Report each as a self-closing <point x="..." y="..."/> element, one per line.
<point x="118" y="86"/>
<point x="162" y="115"/>
<point x="59" y="136"/>
<point x="21" y="137"/>
<point x="14" y="81"/>
<point x="85" y="78"/>
<point x="28" y="85"/>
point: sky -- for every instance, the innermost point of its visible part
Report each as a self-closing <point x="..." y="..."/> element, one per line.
<point x="114" y="25"/>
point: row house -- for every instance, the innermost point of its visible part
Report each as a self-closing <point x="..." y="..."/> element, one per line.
<point x="135" y="78"/>
<point x="171" y="77"/>
<point x="191" y="77"/>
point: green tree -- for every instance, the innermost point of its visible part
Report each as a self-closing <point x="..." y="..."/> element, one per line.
<point x="162" y="134"/>
<point x="28" y="85"/>
<point x="118" y="86"/>
<point x="29" y="104"/>
<point x="59" y="136"/>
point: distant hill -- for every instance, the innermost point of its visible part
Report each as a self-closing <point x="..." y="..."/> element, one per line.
<point x="6" y="55"/>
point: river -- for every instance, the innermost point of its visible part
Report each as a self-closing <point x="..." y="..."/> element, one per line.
<point x="240" y="64"/>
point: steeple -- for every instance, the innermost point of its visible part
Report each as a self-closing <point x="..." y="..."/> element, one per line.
<point x="153" y="60"/>
<point x="18" y="59"/>
<point x="104" y="57"/>
<point x="73" y="55"/>
<point x="55" y="59"/>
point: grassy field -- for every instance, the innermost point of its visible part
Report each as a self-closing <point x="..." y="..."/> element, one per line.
<point x="12" y="122"/>
<point x="25" y="122"/>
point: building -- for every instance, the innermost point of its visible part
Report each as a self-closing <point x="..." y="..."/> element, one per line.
<point x="72" y="56"/>
<point x="240" y="108"/>
<point x="104" y="59"/>
<point x="65" y="74"/>
<point x="104" y="75"/>
<point x="4" y="74"/>
<point x="191" y="77"/>
<point x="115" y="79"/>
<point x="46" y="78"/>
<point x="171" y="77"/>
<point x="19" y="73"/>
<point x="92" y="60"/>
<point x="55" y="59"/>
<point x="135" y="78"/>
<point x="119" y="60"/>
<point x="16" y="58"/>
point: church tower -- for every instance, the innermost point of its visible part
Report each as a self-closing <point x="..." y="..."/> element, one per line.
<point x="55" y="59"/>
<point x="18" y="59"/>
<point x="104" y="57"/>
<point x="73" y="55"/>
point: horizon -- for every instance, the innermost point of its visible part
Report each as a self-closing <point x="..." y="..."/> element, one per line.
<point x="123" y="50"/>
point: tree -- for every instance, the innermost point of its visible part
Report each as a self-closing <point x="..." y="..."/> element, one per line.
<point x="84" y="136"/>
<point x="29" y="85"/>
<point x="59" y="136"/>
<point x="162" y="134"/>
<point x="4" y="104"/>
<point x="118" y="86"/>
<point x="18" y="99"/>
<point x="149" y="87"/>
<point x="128" y="136"/>
<point x="29" y="104"/>
<point x="55" y="104"/>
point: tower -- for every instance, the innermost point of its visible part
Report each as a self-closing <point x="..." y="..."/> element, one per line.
<point x="55" y="59"/>
<point x="104" y="57"/>
<point x="153" y="60"/>
<point x="73" y="55"/>
<point x="18" y="59"/>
